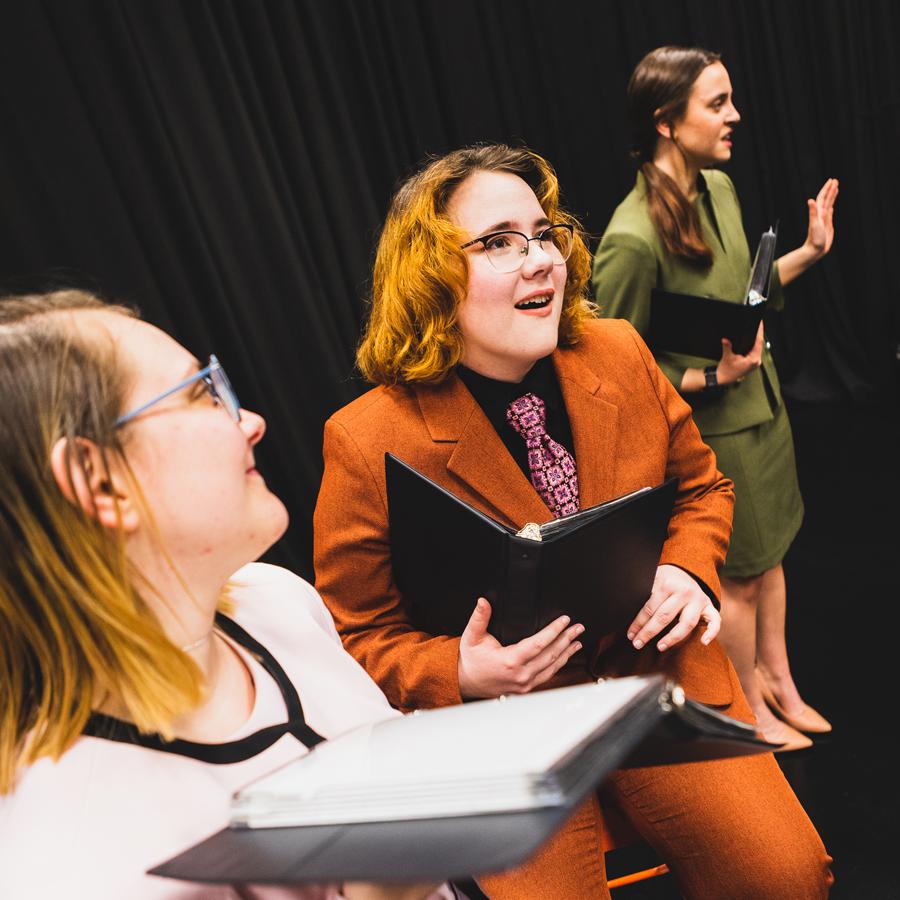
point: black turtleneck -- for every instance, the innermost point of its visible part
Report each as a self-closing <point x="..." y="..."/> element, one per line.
<point x="494" y="398"/>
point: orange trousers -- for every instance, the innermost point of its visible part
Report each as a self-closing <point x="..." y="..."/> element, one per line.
<point x="729" y="829"/>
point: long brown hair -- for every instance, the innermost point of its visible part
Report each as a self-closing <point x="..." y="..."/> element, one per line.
<point x="658" y="91"/>
<point x="421" y="272"/>
<point x="73" y="624"/>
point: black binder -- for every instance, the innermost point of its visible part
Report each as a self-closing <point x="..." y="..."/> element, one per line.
<point x="597" y="565"/>
<point x="689" y="731"/>
<point x="658" y="726"/>
<point x="695" y="326"/>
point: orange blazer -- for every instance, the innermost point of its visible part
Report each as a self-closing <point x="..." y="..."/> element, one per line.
<point x="630" y="428"/>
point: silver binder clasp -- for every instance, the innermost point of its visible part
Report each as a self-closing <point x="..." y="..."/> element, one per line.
<point x="754" y="298"/>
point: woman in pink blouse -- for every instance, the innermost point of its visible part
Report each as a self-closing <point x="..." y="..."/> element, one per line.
<point x="144" y="657"/>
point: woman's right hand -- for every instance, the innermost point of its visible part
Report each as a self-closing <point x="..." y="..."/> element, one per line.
<point x="488" y="669"/>
<point x="732" y="366"/>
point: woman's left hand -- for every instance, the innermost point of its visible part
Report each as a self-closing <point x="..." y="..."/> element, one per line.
<point x="820" y="232"/>
<point x="675" y="595"/>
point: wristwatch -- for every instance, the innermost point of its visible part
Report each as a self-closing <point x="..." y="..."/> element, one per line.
<point x="711" y="376"/>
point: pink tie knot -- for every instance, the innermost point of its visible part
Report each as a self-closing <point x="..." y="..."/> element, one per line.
<point x="528" y="415"/>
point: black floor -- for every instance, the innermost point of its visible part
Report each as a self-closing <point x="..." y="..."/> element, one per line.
<point x="844" y="642"/>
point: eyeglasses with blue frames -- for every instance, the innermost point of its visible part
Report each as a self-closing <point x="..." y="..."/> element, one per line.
<point x="217" y="384"/>
<point x="506" y="250"/>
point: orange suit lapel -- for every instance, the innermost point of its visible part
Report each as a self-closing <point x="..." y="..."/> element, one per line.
<point x="480" y="459"/>
<point x="595" y="427"/>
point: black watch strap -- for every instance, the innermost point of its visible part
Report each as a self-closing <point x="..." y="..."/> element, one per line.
<point x="711" y="376"/>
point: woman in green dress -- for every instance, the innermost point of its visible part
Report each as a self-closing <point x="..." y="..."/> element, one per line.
<point x="680" y="230"/>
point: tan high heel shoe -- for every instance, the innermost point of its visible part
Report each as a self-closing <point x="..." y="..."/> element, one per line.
<point x="779" y="732"/>
<point x="809" y="720"/>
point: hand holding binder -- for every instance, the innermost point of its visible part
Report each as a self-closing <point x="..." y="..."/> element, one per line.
<point x="675" y="597"/>
<point x="733" y="366"/>
<point x="487" y="669"/>
<point x="684" y="323"/>
<point x="597" y="566"/>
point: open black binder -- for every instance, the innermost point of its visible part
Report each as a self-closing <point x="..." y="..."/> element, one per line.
<point x="685" y="323"/>
<point x="656" y="725"/>
<point x="597" y="565"/>
<point x="695" y="326"/>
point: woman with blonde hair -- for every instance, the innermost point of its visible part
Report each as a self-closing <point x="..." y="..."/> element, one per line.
<point x="495" y="381"/>
<point x="680" y="230"/>
<point x="147" y="667"/>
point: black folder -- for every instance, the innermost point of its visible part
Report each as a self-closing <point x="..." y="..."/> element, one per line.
<point x="659" y="725"/>
<point x="695" y="326"/>
<point x="689" y="731"/>
<point x="596" y="566"/>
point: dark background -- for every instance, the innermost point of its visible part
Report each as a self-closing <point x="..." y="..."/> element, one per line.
<point x="226" y="165"/>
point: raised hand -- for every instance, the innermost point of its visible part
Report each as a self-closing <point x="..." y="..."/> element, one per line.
<point x="820" y="232"/>
<point x="819" y="235"/>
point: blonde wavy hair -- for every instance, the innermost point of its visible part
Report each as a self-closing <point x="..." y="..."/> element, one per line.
<point x="421" y="273"/>
<point x="74" y="627"/>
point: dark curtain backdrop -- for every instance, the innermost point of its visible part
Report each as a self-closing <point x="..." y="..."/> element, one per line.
<point x="226" y="165"/>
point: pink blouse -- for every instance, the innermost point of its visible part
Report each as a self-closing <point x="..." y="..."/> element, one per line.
<point x="90" y="824"/>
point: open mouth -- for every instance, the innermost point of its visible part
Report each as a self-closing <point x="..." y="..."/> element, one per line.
<point x="538" y="301"/>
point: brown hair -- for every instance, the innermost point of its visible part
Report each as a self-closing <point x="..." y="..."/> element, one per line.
<point x="73" y="625"/>
<point x="658" y="91"/>
<point x="421" y="272"/>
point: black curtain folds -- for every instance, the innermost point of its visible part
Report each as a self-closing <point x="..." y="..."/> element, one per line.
<point x="226" y="165"/>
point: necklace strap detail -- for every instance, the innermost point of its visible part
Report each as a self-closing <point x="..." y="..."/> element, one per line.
<point x="113" y="729"/>
<point x="195" y="644"/>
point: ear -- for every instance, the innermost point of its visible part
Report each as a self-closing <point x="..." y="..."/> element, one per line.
<point x="663" y="126"/>
<point x="87" y="484"/>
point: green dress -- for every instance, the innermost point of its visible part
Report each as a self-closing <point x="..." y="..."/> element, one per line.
<point x="745" y="424"/>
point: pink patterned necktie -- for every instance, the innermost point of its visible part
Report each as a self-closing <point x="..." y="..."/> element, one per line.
<point x="552" y="467"/>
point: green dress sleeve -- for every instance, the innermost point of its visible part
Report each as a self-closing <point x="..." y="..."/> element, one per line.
<point x="624" y="274"/>
<point x="775" y="300"/>
<point x="625" y="271"/>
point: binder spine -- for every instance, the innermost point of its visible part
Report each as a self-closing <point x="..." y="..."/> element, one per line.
<point x="761" y="274"/>
<point x="519" y="599"/>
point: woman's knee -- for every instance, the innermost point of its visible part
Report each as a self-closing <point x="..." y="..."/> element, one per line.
<point x="795" y="868"/>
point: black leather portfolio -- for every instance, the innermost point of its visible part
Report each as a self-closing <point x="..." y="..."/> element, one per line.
<point x="597" y="565"/>
<point x="392" y="852"/>
<point x="656" y="724"/>
<point x="693" y="732"/>
<point x="695" y="326"/>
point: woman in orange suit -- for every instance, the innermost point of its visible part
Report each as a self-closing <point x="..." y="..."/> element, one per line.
<point x="495" y="381"/>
